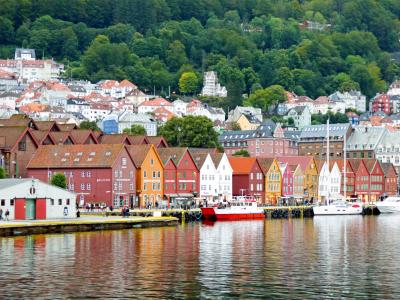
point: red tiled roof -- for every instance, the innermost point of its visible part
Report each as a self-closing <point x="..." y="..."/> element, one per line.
<point x="242" y="165"/>
<point x="10" y="135"/>
<point x="139" y="140"/>
<point x="156" y="102"/>
<point x="81" y="135"/>
<point x="157" y="140"/>
<point x="75" y="156"/>
<point x="176" y="153"/>
<point x="115" y="139"/>
<point x="42" y="135"/>
<point x="60" y="137"/>
<point x="127" y="83"/>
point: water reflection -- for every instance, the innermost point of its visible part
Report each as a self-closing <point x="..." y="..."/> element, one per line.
<point x="324" y="257"/>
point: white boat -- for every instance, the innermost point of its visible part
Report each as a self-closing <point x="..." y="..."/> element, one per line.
<point x="338" y="206"/>
<point x="389" y="205"/>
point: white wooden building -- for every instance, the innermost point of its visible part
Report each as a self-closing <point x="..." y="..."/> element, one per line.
<point x="32" y="199"/>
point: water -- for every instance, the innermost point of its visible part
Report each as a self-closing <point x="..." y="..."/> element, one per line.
<point x="322" y="258"/>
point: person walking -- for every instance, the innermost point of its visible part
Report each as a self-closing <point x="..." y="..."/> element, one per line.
<point x="1" y="214"/>
<point x="7" y="215"/>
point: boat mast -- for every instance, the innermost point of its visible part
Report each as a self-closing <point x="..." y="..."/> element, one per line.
<point x="345" y="167"/>
<point x="327" y="161"/>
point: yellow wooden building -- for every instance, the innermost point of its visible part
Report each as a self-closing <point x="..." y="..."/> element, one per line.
<point x="273" y="180"/>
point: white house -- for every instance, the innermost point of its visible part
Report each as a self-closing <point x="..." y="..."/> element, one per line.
<point x="32" y="199"/>
<point x="329" y="181"/>
<point x="224" y="175"/>
<point x="180" y="107"/>
<point x="77" y="105"/>
<point x="301" y="116"/>
<point x="152" y="105"/>
<point x="208" y="176"/>
<point x="352" y="99"/>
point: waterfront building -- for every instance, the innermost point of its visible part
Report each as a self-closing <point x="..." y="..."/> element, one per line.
<point x="391" y="179"/>
<point x="17" y="145"/>
<point x="32" y="199"/>
<point x="308" y="175"/>
<point x="97" y="173"/>
<point x="149" y="175"/>
<point x="298" y="180"/>
<point x="287" y="186"/>
<point x="273" y="180"/>
<point x="208" y="175"/>
<point x="247" y="179"/>
<point x="329" y="180"/>
<point x="224" y="175"/>
<point x="187" y="174"/>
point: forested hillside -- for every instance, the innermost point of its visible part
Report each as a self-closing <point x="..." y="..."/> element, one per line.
<point x="251" y="43"/>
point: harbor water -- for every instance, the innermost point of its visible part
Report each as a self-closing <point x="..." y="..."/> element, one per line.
<point x="354" y="257"/>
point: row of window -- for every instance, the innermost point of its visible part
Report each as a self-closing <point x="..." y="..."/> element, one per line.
<point x="259" y="187"/>
<point x="60" y="202"/>
<point x="155" y="186"/>
<point x="155" y="174"/>
<point x="259" y="176"/>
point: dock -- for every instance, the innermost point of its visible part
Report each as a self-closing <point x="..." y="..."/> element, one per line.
<point x="85" y="223"/>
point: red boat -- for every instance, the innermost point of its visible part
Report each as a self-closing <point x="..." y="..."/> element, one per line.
<point x="237" y="209"/>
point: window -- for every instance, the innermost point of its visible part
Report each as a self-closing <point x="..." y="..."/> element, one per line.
<point x="82" y="186"/>
<point x="131" y="174"/>
<point x="83" y="174"/>
<point x="59" y="201"/>
<point x="12" y="202"/>
<point x="154" y="174"/>
<point x="124" y="161"/>
<point x="89" y="174"/>
<point x="88" y="186"/>
<point x="68" y="202"/>
<point x="120" y="186"/>
<point x="251" y="176"/>
<point x="115" y="186"/>
<point x="131" y="186"/>
<point x="116" y="173"/>
<point x="251" y="187"/>
<point x="3" y="202"/>
<point x="184" y="174"/>
<point x="145" y="186"/>
<point x="144" y="174"/>
<point x="152" y="162"/>
<point x="22" y="145"/>
<point x="158" y="174"/>
<point x="51" y="201"/>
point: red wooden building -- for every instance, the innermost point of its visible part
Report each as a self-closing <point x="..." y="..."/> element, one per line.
<point x="96" y="173"/>
<point x="391" y="179"/>
<point x="170" y="184"/>
<point x="247" y="179"/>
<point x="187" y="174"/>
<point x="377" y="179"/>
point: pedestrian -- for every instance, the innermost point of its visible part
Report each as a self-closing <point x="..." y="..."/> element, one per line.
<point x="7" y="215"/>
<point x="1" y="214"/>
<point x="78" y="214"/>
<point x="156" y="204"/>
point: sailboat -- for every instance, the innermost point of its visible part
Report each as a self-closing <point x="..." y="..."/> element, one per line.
<point x="337" y="205"/>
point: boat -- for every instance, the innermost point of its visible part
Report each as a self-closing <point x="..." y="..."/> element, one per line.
<point x="389" y="205"/>
<point x="240" y="208"/>
<point x="337" y="205"/>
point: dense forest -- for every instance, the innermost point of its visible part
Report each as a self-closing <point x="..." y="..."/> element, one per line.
<point x="253" y="44"/>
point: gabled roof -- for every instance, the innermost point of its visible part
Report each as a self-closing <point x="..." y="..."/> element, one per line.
<point x="386" y="167"/>
<point x="139" y="140"/>
<point x="303" y="161"/>
<point x="46" y="125"/>
<point x="176" y="153"/>
<point x="355" y="164"/>
<point x="216" y="158"/>
<point x="157" y="141"/>
<point x="115" y="139"/>
<point x="199" y="159"/>
<point x="18" y="120"/>
<point x="11" y="135"/>
<point x="67" y="127"/>
<point x="81" y="135"/>
<point x="265" y="163"/>
<point x="370" y="164"/>
<point x="75" y="156"/>
<point x="42" y="135"/>
<point x="242" y="165"/>
<point x="139" y="153"/>
<point x="60" y="137"/>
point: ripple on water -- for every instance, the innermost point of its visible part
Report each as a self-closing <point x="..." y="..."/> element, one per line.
<point x="325" y="257"/>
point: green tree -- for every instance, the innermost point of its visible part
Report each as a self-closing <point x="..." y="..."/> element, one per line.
<point x="241" y="153"/>
<point x="59" y="180"/>
<point x="189" y="83"/>
<point x="135" y="130"/>
<point x="89" y="125"/>
<point x="176" y="55"/>
<point x="190" y="131"/>
<point x="3" y="173"/>
<point x="6" y="31"/>
<point x="267" y="99"/>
